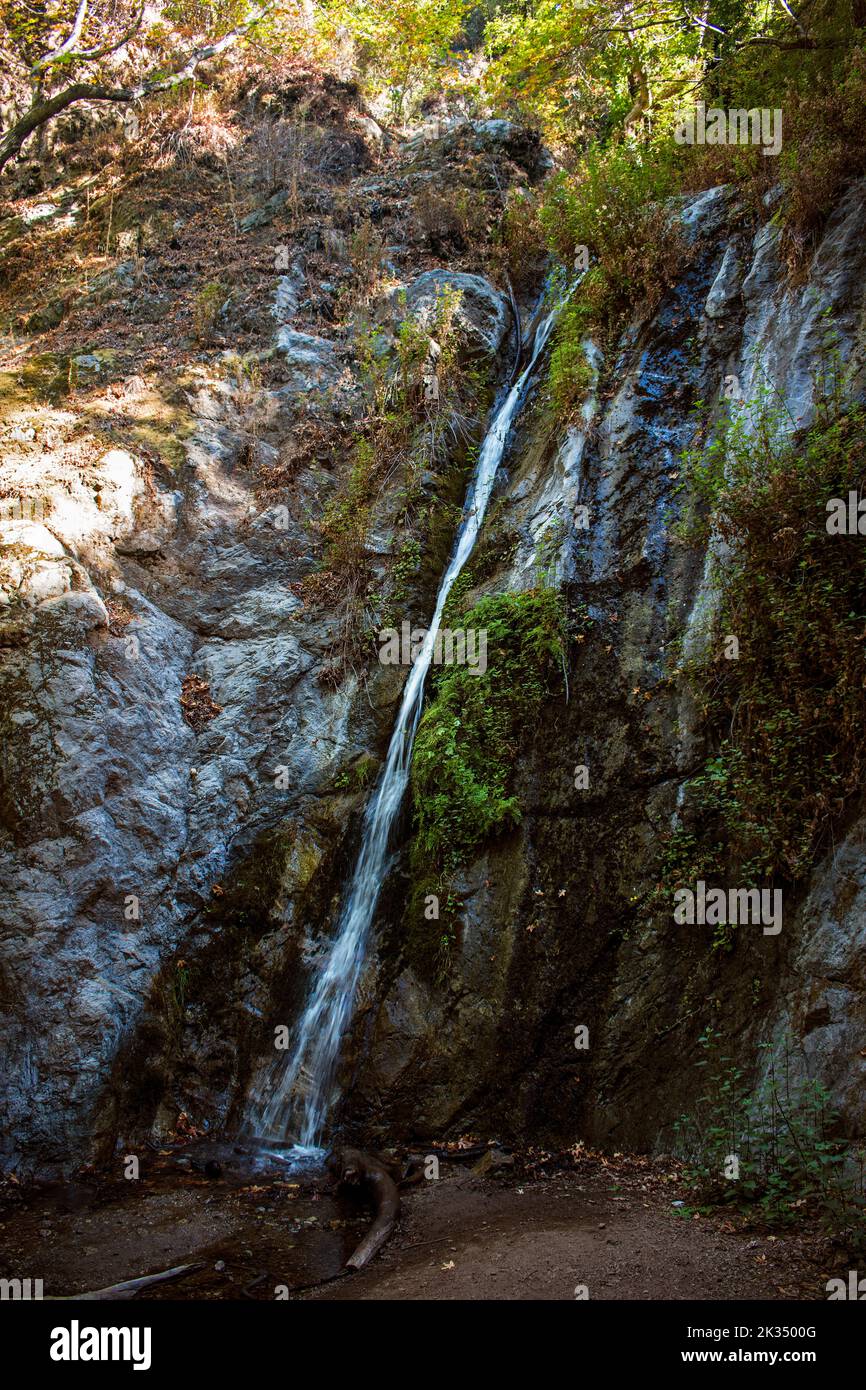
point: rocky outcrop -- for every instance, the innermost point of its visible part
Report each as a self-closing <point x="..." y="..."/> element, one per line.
<point x="551" y="935"/>
<point x="482" y="314"/>
<point x="184" y="772"/>
<point x="181" y="773"/>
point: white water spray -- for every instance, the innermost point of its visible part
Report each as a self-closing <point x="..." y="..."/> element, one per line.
<point x="292" y="1098"/>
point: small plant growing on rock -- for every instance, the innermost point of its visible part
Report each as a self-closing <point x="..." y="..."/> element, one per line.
<point x="569" y="376"/>
<point x="206" y="308"/>
<point x="773" y="1149"/>
<point x="786" y="718"/>
<point x="366" y="250"/>
<point x="615" y="208"/>
<point x="452" y="217"/>
<point x="520" y="245"/>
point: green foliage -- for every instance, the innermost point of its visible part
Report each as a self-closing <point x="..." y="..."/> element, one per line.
<point x="346" y="518"/>
<point x="405" y="568"/>
<point x="782" y="1136"/>
<point x="357" y="776"/>
<point x="206" y="17"/>
<point x="403" y="430"/>
<point x="206" y="307"/>
<point x="613" y="206"/>
<point x="786" y="717"/>
<point x="608" y="91"/>
<point x="569" y="375"/>
<point x="399" y="44"/>
<point x="466" y="749"/>
<point x="585" y="72"/>
<point x="824" y="150"/>
<point x="470" y="735"/>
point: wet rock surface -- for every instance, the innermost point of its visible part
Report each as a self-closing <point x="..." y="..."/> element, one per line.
<point x="169" y="877"/>
<point x="550" y="937"/>
<point x="182" y="775"/>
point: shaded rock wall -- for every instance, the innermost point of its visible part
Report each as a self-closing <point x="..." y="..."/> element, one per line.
<point x="167" y="887"/>
<point x="552" y="936"/>
<point x="155" y="866"/>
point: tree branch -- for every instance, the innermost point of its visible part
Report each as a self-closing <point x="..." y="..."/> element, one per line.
<point x="68" y="43"/>
<point x="45" y="109"/>
<point x="91" y="54"/>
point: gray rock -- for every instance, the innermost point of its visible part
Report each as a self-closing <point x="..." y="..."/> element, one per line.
<point x="47" y="317"/>
<point x="312" y="359"/>
<point x="727" y="284"/>
<point x="87" y="367"/>
<point x="287" y="295"/>
<point x="263" y="216"/>
<point x="476" y="1050"/>
<point x="86" y="608"/>
<point x="120" y="820"/>
<point x="483" y="315"/>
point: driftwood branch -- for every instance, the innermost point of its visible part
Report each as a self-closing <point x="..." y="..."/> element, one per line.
<point x="130" y="1287"/>
<point x="359" y="1170"/>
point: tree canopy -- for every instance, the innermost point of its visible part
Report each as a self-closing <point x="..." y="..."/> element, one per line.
<point x="583" y="70"/>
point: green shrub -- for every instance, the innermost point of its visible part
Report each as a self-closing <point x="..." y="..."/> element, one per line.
<point x="206" y="307"/>
<point x="787" y="717"/>
<point x="613" y="205"/>
<point x="782" y="1138"/>
<point x="823" y="151"/>
<point x="467" y="746"/>
<point x="569" y="375"/>
<point x="471" y="733"/>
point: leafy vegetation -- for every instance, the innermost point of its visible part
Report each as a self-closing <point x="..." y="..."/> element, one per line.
<point x="569" y="376"/>
<point x="785" y="718"/>
<point x="773" y="1151"/>
<point x="467" y="745"/>
<point x="404" y="431"/>
<point x="206" y="307"/>
<point x="399" y="45"/>
<point x="613" y="206"/>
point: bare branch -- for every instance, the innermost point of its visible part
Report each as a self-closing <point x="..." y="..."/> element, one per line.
<point x="90" y="54"/>
<point x="44" y="109"/>
<point x="799" y="27"/>
<point x="68" y="43"/>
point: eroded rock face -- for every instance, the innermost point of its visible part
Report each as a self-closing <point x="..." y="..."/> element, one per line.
<point x="171" y="861"/>
<point x="181" y="775"/>
<point x="551" y="938"/>
<point x="482" y="312"/>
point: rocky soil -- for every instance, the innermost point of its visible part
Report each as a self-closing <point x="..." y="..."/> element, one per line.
<point x="614" y="1229"/>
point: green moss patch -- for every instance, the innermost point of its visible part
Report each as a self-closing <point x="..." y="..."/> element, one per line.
<point x="467" y="748"/>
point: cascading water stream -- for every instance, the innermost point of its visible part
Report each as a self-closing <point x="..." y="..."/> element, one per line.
<point x="293" y="1096"/>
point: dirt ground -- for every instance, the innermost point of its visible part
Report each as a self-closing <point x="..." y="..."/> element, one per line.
<point x="603" y="1229"/>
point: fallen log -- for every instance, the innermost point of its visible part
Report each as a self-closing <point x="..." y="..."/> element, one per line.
<point x="468" y="1155"/>
<point x="355" y="1169"/>
<point x="129" y="1288"/>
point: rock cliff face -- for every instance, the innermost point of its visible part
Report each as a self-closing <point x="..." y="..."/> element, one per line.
<point x="551" y="938"/>
<point x="184" y="769"/>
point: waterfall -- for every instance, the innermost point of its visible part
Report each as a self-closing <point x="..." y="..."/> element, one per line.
<point x="293" y="1096"/>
